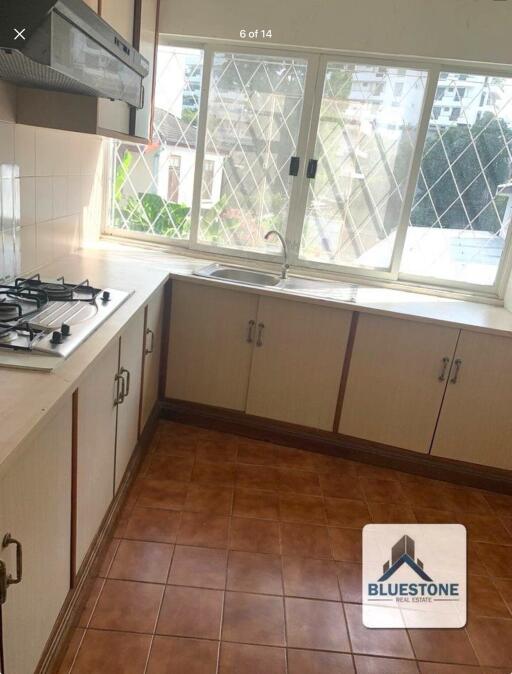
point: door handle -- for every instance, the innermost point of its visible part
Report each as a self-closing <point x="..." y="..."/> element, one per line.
<point x="250" y="332"/>
<point x="457" y="363"/>
<point x="123" y="371"/>
<point x="121" y="394"/>
<point x="444" y="367"/>
<point x="7" y="579"/>
<point x="294" y="166"/>
<point x="259" y="340"/>
<point x="150" y="349"/>
<point x="311" y="169"/>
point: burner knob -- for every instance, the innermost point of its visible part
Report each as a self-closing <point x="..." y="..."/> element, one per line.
<point x="56" y="337"/>
<point x="65" y="330"/>
<point x="105" y="296"/>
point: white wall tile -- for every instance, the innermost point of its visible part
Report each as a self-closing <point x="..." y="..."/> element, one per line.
<point x="74" y="194"/>
<point x="46" y="151"/>
<point x="28" y="250"/>
<point x="45" y="242"/>
<point x="44" y="199"/>
<point x="6" y="143"/>
<point x="60" y="197"/>
<point x="25" y="149"/>
<point x="27" y="187"/>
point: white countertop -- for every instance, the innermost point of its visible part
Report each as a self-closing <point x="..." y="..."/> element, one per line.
<point x="27" y="396"/>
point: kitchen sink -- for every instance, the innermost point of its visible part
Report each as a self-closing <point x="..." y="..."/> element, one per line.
<point x="238" y="275"/>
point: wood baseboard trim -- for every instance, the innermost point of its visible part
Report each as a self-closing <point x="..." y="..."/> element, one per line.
<point x="62" y="632"/>
<point x="355" y="449"/>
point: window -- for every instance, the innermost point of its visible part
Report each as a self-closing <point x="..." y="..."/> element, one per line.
<point x="462" y="204"/>
<point x="385" y="183"/>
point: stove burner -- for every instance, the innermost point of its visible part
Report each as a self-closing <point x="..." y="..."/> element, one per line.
<point x="56" y="291"/>
<point x="8" y="336"/>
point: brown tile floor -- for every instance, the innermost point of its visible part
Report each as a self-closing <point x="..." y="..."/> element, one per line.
<point x="234" y="556"/>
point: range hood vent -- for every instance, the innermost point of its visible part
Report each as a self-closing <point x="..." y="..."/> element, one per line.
<point x="68" y="47"/>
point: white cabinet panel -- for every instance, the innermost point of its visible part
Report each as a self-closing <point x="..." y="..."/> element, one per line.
<point x="152" y="354"/>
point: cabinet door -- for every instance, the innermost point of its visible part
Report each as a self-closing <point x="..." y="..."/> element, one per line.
<point x="297" y="363"/>
<point x="209" y="355"/>
<point x="132" y="340"/>
<point x="152" y="354"/>
<point x="393" y="392"/>
<point x="476" y="422"/>
<point x="95" y="448"/>
<point x="35" y="508"/>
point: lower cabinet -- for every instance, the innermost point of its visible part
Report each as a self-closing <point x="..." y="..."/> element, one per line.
<point x="475" y="424"/>
<point x="152" y="354"/>
<point x="35" y="508"/>
<point x="396" y="381"/>
<point x="297" y="362"/>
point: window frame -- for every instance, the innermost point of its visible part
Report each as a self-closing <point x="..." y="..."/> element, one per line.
<point x="317" y="60"/>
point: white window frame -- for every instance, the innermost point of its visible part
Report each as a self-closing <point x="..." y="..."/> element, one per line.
<point x="317" y="60"/>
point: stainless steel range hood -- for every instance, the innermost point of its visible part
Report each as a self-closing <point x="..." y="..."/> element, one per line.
<point x="68" y="47"/>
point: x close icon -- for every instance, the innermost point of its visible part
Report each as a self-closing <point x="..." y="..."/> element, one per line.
<point x="19" y="33"/>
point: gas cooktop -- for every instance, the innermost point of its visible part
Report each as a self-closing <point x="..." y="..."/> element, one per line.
<point x="52" y="317"/>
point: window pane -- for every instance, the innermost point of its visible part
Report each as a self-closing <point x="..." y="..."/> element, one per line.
<point x="254" y="111"/>
<point x="462" y="205"/>
<point x="366" y="134"/>
<point x="154" y="183"/>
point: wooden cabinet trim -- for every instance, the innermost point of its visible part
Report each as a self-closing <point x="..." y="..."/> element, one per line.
<point x="345" y="370"/>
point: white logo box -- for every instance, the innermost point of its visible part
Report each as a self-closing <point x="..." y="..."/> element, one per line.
<point x="414" y="575"/>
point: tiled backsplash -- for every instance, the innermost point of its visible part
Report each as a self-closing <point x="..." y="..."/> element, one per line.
<point x="50" y="189"/>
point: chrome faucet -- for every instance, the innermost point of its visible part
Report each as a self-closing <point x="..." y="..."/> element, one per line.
<point x="285" y="265"/>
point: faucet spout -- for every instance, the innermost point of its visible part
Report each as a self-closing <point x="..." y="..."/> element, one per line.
<point x="285" y="266"/>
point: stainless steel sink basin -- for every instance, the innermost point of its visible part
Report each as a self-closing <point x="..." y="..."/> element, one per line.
<point x="238" y="275"/>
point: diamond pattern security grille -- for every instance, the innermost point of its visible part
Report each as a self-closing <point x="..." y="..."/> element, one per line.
<point x="254" y="112"/>
<point x="462" y="207"/>
<point x="366" y="136"/>
<point x="153" y="184"/>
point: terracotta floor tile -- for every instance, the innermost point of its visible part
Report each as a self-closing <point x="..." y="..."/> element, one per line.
<point x="497" y="559"/>
<point x="203" y="529"/>
<point x="438" y="668"/>
<point x="177" y="445"/>
<point x="217" y="448"/>
<point x="316" y="662"/>
<point x="492" y="641"/>
<point x="106" y="558"/>
<point x="484" y="599"/>
<point x="366" y="664"/>
<point x="127" y="606"/>
<point x="255" y="535"/>
<point x="391" y="513"/>
<point x="191" y="612"/>
<point x="325" y="463"/>
<point x="302" y="508"/>
<point x="436" y="516"/>
<point x="380" y="472"/>
<point x="450" y="646"/>
<point x="253" y="572"/>
<point x="137" y="560"/>
<point x="214" y="474"/>
<point x="344" y="486"/>
<point x="507" y="523"/>
<point x="314" y="624"/>
<point x="71" y="651"/>
<point x="312" y="578"/>
<point x="475" y="563"/>
<point x="253" y="619"/>
<point x="173" y="655"/>
<point x="299" y="459"/>
<point x="424" y="493"/>
<point x="305" y="540"/>
<point x="379" y="490"/>
<point x="346" y="544"/>
<point x="298" y="481"/>
<point x="167" y="494"/>
<point x="199" y="567"/>
<point x="245" y="659"/>
<point x="345" y="512"/>
<point x="350" y="580"/>
<point x="162" y="466"/>
<point x="152" y="524"/>
<point x="93" y="588"/>
<point x="256" y="477"/>
<point x="262" y="505"/>
<point x="256" y="452"/>
<point x="112" y="652"/>
<point x="465" y="500"/>
<point x="500" y="503"/>
<point x="486" y="529"/>
<point x="213" y="500"/>
<point x="391" y="643"/>
<point x="504" y="587"/>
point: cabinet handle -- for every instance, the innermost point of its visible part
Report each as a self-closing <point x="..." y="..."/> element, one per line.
<point x="9" y="540"/>
<point x="121" y="394"/>
<point x="311" y="168"/>
<point x="150" y="349"/>
<point x="123" y="371"/>
<point x="444" y="367"/>
<point x="455" y="376"/>
<point x="259" y="340"/>
<point x="250" y="332"/>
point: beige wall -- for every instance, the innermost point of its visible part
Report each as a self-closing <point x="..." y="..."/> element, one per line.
<point x="50" y="190"/>
<point x="477" y="30"/>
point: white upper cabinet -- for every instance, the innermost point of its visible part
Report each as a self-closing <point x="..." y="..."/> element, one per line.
<point x="476" y="420"/>
<point x="297" y="362"/>
<point x="396" y="381"/>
